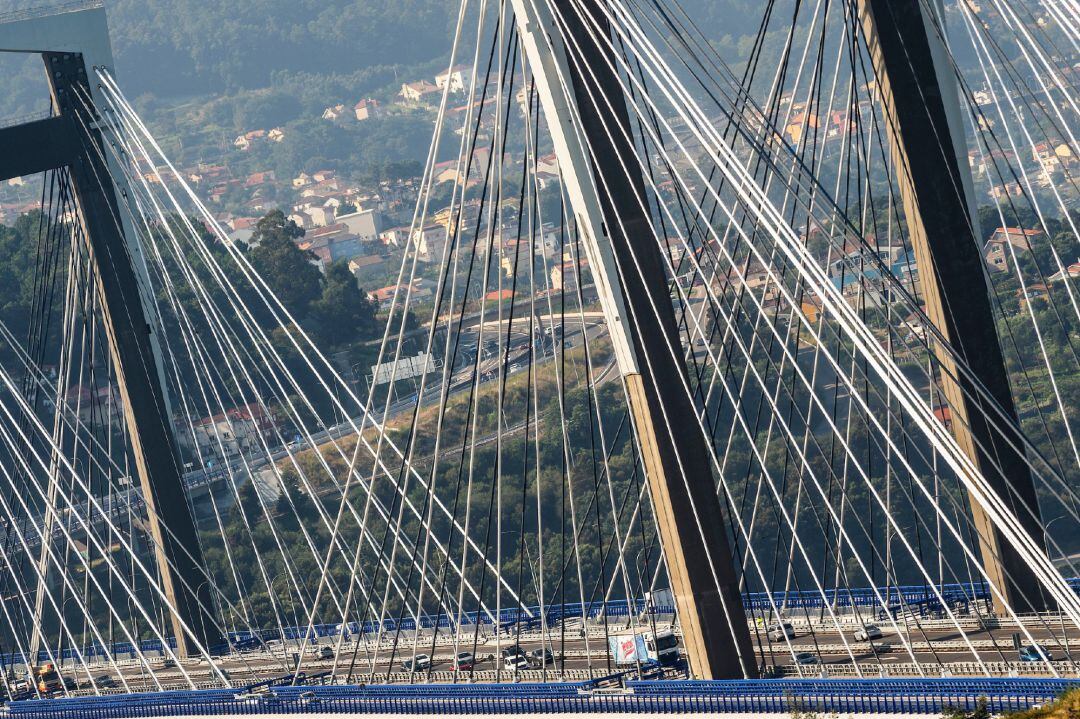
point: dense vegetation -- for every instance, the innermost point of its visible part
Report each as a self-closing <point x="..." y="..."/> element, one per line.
<point x="330" y="306"/>
<point x="315" y="52"/>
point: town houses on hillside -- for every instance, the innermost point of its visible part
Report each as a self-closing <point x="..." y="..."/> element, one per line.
<point x="224" y="436"/>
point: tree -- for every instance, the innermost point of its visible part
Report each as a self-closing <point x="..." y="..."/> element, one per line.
<point x="981" y="711"/>
<point x="266" y="110"/>
<point x="343" y="313"/>
<point x="286" y="268"/>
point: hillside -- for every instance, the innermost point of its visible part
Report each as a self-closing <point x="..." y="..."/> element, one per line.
<point x="319" y="51"/>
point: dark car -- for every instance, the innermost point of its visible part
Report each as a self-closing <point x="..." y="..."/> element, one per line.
<point x="541" y="657"/>
<point x="105" y="682"/>
<point x="514" y="651"/>
<point x="1035" y="653"/>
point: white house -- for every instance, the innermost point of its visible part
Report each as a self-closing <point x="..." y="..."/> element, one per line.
<point x="456" y="77"/>
<point x="417" y="91"/>
<point x="365" y="224"/>
<point x="334" y="112"/>
<point x="366" y="109"/>
<point x="429" y="242"/>
<point x="226" y="435"/>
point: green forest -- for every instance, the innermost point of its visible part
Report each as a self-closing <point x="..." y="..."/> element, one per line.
<point x="315" y="52"/>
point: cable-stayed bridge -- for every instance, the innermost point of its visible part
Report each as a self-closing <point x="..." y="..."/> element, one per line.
<point x="703" y="389"/>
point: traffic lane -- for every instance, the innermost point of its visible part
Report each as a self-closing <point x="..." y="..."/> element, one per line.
<point x="263" y="664"/>
<point x="1040" y="633"/>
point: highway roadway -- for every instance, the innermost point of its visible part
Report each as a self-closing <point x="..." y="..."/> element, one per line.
<point x="939" y="648"/>
<point x="929" y="642"/>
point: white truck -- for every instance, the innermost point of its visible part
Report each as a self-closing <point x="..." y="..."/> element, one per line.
<point x="661" y="601"/>
<point x="629" y="648"/>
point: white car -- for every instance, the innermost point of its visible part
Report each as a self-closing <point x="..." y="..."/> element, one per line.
<point x="867" y="632"/>
<point x="419" y="664"/>
<point x="781" y="631"/>
<point x="516" y="663"/>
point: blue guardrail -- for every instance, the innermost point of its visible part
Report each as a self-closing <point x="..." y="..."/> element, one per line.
<point x="844" y="696"/>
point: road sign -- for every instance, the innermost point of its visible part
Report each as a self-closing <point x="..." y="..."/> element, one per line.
<point x="406" y="367"/>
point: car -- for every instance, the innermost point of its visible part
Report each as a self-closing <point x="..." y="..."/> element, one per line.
<point x="417" y="664"/>
<point x="804" y="658"/>
<point x="325" y="652"/>
<point x="1035" y="653"/>
<point x="867" y="632"/>
<point x="514" y="651"/>
<point x="49" y="681"/>
<point x="516" y="663"/>
<point x="541" y="657"/>
<point x="105" y="682"/>
<point x="248" y="644"/>
<point x="781" y="630"/>
<point x="21" y="690"/>
<point x="464" y="661"/>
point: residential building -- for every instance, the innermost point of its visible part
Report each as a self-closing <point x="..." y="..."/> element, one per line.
<point x="243" y="228"/>
<point x="313" y="215"/>
<point x="366" y="109"/>
<point x="245" y="141"/>
<point x="395" y="236"/>
<point x="799" y="123"/>
<point x="417" y="91"/>
<point x="564" y="276"/>
<point x="332" y="248"/>
<point x="456" y="77"/>
<point x="365" y="224"/>
<point x="367" y="265"/>
<point x="1035" y="291"/>
<point x="227" y="435"/>
<point x="996" y="251"/>
<point x="334" y="112"/>
<point x="421" y="290"/>
<point x="429" y="242"/>
<point x="96" y="404"/>
<point x="259" y="178"/>
<point x="1071" y="272"/>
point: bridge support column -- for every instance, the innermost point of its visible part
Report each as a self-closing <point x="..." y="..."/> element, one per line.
<point x="136" y="357"/>
<point x="73" y="42"/>
<point x="602" y="178"/>
<point x="918" y="94"/>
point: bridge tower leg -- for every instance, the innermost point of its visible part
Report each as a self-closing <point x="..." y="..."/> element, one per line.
<point x="919" y="97"/>
<point x="72" y="44"/>
<point x="628" y="271"/>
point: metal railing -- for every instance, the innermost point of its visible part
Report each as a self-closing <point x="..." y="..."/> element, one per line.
<point x="607" y="695"/>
